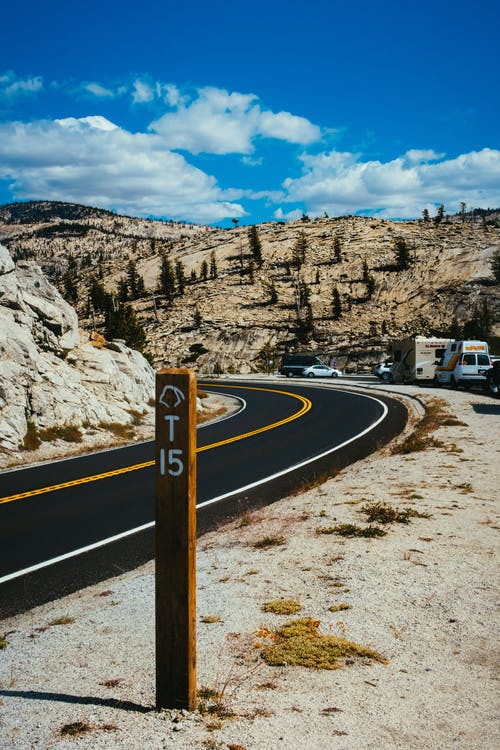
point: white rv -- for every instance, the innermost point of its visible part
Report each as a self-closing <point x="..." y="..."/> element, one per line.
<point x="415" y="359"/>
<point x="464" y="363"/>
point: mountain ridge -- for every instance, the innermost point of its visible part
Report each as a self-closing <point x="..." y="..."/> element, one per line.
<point x="232" y="319"/>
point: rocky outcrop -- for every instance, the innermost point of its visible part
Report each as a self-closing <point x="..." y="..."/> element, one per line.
<point x="49" y="375"/>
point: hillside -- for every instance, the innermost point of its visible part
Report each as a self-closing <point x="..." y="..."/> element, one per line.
<point x="236" y="313"/>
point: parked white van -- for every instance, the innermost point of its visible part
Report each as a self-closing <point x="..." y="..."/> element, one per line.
<point x="464" y="363"/>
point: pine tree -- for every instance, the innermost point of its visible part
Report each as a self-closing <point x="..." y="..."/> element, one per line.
<point x="167" y="280"/>
<point x="495" y="265"/>
<point x="204" y="271"/>
<point x="336" y="304"/>
<point x="197" y="320"/>
<point x="337" y="248"/>
<point x="135" y="282"/>
<point x="255" y="245"/>
<point x="122" y="323"/>
<point x="299" y="250"/>
<point x="270" y="288"/>
<point x="425" y="215"/>
<point x="213" y="266"/>
<point x="402" y="253"/>
<point x="439" y="215"/>
<point x="181" y="277"/>
<point x="100" y="299"/>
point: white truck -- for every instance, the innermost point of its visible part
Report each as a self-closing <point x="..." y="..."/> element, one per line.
<point x="464" y="363"/>
<point x="415" y="359"/>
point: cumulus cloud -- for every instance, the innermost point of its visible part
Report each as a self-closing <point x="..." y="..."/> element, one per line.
<point x="142" y="92"/>
<point x="219" y="122"/>
<point x="11" y="86"/>
<point x="93" y="161"/>
<point x="341" y="183"/>
<point x="99" y="91"/>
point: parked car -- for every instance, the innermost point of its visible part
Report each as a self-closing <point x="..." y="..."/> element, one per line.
<point x="321" y="371"/>
<point x="383" y="370"/>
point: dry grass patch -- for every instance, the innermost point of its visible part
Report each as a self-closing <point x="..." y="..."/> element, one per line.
<point x="209" y="619"/>
<point x="299" y="643"/>
<point x="421" y="438"/>
<point x="78" y="728"/>
<point x="70" y="433"/>
<point x="351" y="530"/>
<point x="269" y="541"/>
<point x="339" y="607"/>
<point x="282" y="607"/>
<point x="64" y="620"/>
<point x="385" y="513"/>
<point x="124" y="431"/>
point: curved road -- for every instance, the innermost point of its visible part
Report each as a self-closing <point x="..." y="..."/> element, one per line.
<point x="284" y="434"/>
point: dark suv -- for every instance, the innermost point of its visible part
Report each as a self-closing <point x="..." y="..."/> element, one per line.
<point x="294" y="364"/>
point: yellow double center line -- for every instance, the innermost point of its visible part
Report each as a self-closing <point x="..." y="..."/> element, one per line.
<point x="306" y="406"/>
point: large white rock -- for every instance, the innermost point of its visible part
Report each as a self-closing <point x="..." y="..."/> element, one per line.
<point x="46" y="375"/>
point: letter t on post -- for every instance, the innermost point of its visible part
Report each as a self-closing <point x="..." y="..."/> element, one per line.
<point x="175" y="539"/>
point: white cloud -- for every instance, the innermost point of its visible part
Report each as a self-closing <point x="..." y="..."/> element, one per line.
<point x="99" y="91"/>
<point x="12" y="86"/>
<point x="220" y="122"/>
<point x="92" y="161"/>
<point x="142" y="92"/>
<point x="340" y="183"/>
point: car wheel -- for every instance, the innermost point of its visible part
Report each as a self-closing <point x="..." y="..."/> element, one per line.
<point x="386" y="375"/>
<point x="435" y="382"/>
<point x="311" y="375"/>
<point x="334" y="375"/>
<point x="453" y="382"/>
<point x="289" y="374"/>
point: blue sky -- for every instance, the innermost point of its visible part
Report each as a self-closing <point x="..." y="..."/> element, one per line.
<point x="209" y="111"/>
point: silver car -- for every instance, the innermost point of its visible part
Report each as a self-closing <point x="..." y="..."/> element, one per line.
<point x="321" y="371"/>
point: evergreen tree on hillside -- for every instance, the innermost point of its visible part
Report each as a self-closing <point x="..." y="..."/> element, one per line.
<point x="299" y="250"/>
<point x="495" y="265"/>
<point x="337" y="248"/>
<point x="135" y="282"/>
<point x="181" y="278"/>
<point x="255" y="245"/>
<point x="100" y="299"/>
<point x="204" y="271"/>
<point x="439" y="215"/>
<point x="167" y="279"/>
<point x="122" y="323"/>
<point x="402" y="253"/>
<point x="336" y="304"/>
<point x="213" y="266"/>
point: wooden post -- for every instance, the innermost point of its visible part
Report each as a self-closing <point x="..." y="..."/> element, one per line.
<point x="175" y="537"/>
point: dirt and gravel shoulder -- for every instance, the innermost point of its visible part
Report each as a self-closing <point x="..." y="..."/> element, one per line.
<point x="79" y="672"/>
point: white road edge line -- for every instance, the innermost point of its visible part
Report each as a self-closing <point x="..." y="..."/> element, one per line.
<point x="124" y="534"/>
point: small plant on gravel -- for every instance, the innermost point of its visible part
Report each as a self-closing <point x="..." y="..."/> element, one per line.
<point x="269" y="541"/>
<point x="211" y="701"/>
<point x="299" y="643"/>
<point x="3" y="642"/>
<point x="339" y="607"/>
<point x="64" y="620"/>
<point x="208" y="619"/>
<point x="75" y="729"/>
<point x="385" y="513"/>
<point x="351" y="530"/>
<point x="282" y="607"/>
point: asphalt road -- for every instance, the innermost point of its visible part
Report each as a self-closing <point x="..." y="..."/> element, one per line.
<point x="322" y="429"/>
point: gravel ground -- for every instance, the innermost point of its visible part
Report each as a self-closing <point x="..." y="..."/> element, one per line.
<point x="424" y="596"/>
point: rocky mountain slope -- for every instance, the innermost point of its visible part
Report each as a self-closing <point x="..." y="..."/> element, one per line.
<point x="336" y="287"/>
<point x="54" y="381"/>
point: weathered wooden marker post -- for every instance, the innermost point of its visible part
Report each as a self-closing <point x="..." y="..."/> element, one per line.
<point x="175" y="537"/>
